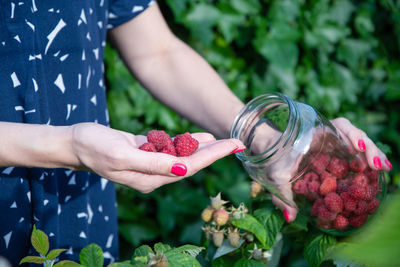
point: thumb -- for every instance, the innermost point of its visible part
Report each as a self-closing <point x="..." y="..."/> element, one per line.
<point x="289" y="211"/>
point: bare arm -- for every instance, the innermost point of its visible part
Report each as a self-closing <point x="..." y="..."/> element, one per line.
<point x="174" y="73"/>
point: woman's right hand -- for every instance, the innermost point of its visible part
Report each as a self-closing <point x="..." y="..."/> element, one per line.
<point x="115" y="155"/>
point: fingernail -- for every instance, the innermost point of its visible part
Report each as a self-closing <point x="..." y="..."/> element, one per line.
<point x="286" y="215"/>
<point x="237" y="150"/>
<point x="178" y="169"/>
<point x="377" y="163"/>
<point x="388" y="164"/>
<point x="361" y="144"/>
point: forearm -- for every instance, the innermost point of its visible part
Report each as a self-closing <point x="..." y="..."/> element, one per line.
<point x="184" y="81"/>
<point x="34" y="145"/>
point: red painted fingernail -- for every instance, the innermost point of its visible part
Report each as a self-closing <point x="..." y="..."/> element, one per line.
<point x="377" y="163"/>
<point x="388" y="164"/>
<point x="178" y="169"/>
<point x="361" y="144"/>
<point x="237" y="150"/>
<point x="286" y="215"/>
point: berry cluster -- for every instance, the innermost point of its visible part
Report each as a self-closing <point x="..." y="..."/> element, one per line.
<point x="343" y="193"/>
<point x="217" y="225"/>
<point x="159" y="141"/>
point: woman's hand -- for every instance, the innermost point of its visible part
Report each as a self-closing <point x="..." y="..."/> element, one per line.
<point x="114" y="155"/>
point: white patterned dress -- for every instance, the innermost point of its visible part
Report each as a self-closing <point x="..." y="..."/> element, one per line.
<point x="51" y="72"/>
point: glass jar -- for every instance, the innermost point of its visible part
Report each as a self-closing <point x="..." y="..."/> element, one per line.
<point x="300" y="157"/>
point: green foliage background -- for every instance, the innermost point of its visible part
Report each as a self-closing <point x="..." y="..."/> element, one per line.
<point x="342" y="57"/>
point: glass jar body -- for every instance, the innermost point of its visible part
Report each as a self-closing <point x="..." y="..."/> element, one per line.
<point x="300" y="157"/>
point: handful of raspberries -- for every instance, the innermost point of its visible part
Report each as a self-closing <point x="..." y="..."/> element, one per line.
<point x="159" y="141"/>
<point x="343" y="193"/>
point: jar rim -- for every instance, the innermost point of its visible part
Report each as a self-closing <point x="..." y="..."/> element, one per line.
<point x="256" y="105"/>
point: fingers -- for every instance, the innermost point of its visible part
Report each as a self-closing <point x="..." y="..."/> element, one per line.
<point x="289" y="212"/>
<point x="376" y="159"/>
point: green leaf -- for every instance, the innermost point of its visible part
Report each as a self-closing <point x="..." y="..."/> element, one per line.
<point x="161" y="248"/>
<point x="67" y="263"/>
<point x="178" y="259"/>
<point x="121" y="264"/>
<point x="272" y="220"/>
<point x="246" y="6"/>
<point x="251" y="224"/>
<point x="142" y="253"/>
<point x="191" y="250"/>
<point x="299" y="224"/>
<point x="40" y="241"/>
<point x="91" y="256"/>
<point x="32" y="259"/>
<point x="54" y="253"/>
<point x="243" y="262"/>
<point x="316" y="249"/>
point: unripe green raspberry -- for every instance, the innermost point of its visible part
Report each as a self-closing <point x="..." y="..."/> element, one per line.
<point x="218" y="238"/>
<point x="255" y="189"/>
<point x="220" y="217"/>
<point x="234" y="238"/>
<point x="207" y="214"/>
<point x="162" y="263"/>
<point x="217" y="202"/>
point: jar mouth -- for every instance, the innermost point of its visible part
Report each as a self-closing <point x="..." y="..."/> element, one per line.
<point x="249" y="118"/>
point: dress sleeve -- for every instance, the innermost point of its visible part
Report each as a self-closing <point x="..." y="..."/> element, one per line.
<point x="121" y="11"/>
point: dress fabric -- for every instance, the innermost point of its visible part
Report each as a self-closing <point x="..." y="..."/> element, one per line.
<point x="51" y="72"/>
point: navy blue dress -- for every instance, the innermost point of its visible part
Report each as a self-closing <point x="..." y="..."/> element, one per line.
<point x="51" y="72"/>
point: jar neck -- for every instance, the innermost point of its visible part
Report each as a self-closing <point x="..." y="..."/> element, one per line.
<point x="280" y="128"/>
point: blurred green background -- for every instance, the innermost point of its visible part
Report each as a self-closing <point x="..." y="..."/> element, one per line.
<point x="342" y="57"/>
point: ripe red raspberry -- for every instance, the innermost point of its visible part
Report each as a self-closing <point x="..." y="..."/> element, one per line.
<point x="357" y="192"/>
<point x="185" y="144"/>
<point x="342" y="185"/>
<point x="346" y="213"/>
<point x="360" y="179"/>
<point x="358" y="220"/>
<point x="320" y="163"/>
<point x="311" y="176"/>
<point x="370" y="192"/>
<point x="324" y="214"/>
<point x="158" y="138"/>
<point x="338" y="167"/>
<point x="148" y="147"/>
<point x="362" y="207"/>
<point x="313" y="190"/>
<point x="169" y="149"/>
<point x="340" y="222"/>
<point x="350" y="204"/>
<point x="325" y="175"/>
<point x="221" y="217"/>
<point x="333" y="202"/>
<point x="327" y="186"/>
<point x="358" y="165"/>
<point x="315" y="208"/>
<point x="372" y="175"/>
<point x="373" y="205"/>
<point x="300" y="187"/>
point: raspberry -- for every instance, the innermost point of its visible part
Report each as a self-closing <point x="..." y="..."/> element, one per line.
<point x="325" y="175"/>
<point x="185" y="144"/>
<point x="370" y="192"/>
<point x="255" y="189"/>
<point x="342" y="186"/>
<point x="346" y="213"/>
<point x="148" y="147"/>
<point x="169" y="149"/>
<point x="206" y="214"/>
<point x="315" y="208"/>
<point x="300" y="187"/>
<point x="320" y="163"/>
<point x="218" y="238"/>
<point x="360" y="179"/>
<point x="340" y="222"/>
<point x="358" y="220"/>
<point x="324" y="224"/>
<point x="349" y="203"/>
<point x="373" y="205"/>
<point x="158" y="138"/>
<point x="358" y="165"/>
<point x="362" y="207"/>
<point x="333" y="202"/>
<point x="357" y="192"/>
<point x="311" y="176"/>
<point x="234" y="239"/>
<point x="372" y="175"/>
<point x="221" y="217"/>
<point x="327" y="186"/>
<point x="338" y="167"/>
<point x="313" y="190"/>
<point x="324" y="214"/>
